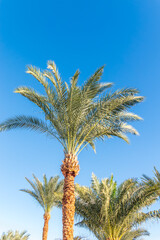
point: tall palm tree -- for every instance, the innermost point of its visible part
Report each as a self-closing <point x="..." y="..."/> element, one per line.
<point x="48" y="194"/>
<point x="76" y="116"/>
<point x="113" y="212"/>
<point x="10" y="235"/>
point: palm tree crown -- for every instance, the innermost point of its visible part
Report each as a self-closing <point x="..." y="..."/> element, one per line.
<point x="10" y="235"/>
<point x="77" y="115"/>
<point x="111" y="211"/>
<point x="47" y="193"/>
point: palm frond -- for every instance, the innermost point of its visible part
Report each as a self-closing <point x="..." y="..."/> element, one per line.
<point x="31" y="123"/>
<point x="35" y="72"/>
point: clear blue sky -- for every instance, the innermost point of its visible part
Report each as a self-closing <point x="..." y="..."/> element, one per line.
<point x="124" y="35"/>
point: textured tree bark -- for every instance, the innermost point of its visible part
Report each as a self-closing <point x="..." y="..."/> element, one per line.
<point x="70" y="169"/>
<point x="46" y="217"/>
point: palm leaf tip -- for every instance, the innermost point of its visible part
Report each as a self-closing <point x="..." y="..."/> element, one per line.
<point x="16" y="90"/>
<point x="52" y="66"/>
<point x="3" y="127"/>
<point x="129" y="116"/>
<point x="107" y="85"/>
<point x="22" y="190"/>
<point x="28" y="68"/>
<point x="139" y="98"/>
<point x="126" y="128"/>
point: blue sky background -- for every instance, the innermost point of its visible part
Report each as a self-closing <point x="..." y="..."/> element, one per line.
<point x="124" y="35"/>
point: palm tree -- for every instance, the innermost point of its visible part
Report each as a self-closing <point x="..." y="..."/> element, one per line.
<point x="76" y="116"/>
<point x="10" y="235"/>
<point x="113" y="212"/>
<point x="48" y="194"/>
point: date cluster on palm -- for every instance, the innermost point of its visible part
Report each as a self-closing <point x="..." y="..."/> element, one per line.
<point x="70" y="169"/>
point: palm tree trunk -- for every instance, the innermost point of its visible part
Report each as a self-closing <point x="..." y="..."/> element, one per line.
<point x="70" y="169"/>
<point x="46" y="217"/>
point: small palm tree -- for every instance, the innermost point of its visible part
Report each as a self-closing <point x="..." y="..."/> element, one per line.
<point x="10" y="235"/>
<point x="48" y="194"/>
<point x="76" y="116"/>
<point x="111" y="211"/>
